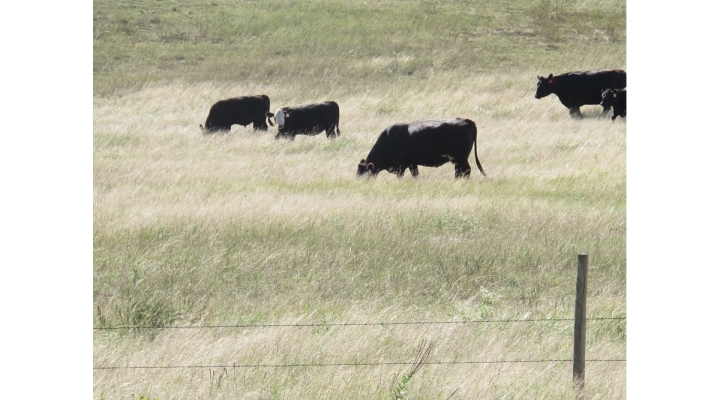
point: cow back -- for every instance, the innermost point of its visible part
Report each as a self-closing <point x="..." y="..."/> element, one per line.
<point x="430" y="139"/>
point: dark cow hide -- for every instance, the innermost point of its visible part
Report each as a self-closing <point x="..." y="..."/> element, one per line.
<point x="309" y="119"/>
<point x="617" y="99"/>
<point x="238" y="110"/>
<point x="427" y="143"/>
<point x="575" y="89"/>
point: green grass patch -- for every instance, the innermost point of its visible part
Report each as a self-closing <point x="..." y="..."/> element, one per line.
<point x="326" y="44"/>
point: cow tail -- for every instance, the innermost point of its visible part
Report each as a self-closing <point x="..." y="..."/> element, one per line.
<point x="267" y="106"/>
<point x="477" y="160"/>
<point x="337" y="119"/>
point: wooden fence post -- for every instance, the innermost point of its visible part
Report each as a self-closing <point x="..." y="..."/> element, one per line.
<point x="579" y="338"/>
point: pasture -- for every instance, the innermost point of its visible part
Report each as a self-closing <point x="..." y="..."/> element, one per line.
<point x="242" y="229"/>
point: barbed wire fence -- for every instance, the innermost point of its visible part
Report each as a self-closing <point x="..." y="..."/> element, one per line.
<point x="578" y="361"/>
<point x="321" y="325"/>
<point x="376" y="364"/>
<point x="348" y="324"/>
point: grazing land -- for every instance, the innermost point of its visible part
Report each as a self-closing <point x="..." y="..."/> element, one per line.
<point x="194" y="230"/>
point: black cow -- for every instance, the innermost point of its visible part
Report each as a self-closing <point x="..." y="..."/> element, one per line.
<point x="426" y="143"/>
<point x="238" y="110"/>
<point x="617" y="99"/>
<point x="309" y="119"/>
<point x="575" y="89"/>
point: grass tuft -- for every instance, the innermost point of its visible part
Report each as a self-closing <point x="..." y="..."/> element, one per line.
<point x="420" y="359"/>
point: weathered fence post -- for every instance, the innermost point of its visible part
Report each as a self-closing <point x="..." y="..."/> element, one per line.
<point x="579" y="339"/>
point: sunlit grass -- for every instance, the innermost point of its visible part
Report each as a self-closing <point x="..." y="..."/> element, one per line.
<point x="240" y="228"/>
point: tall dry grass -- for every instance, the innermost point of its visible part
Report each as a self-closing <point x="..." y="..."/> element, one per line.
<point x="239" y="228"/>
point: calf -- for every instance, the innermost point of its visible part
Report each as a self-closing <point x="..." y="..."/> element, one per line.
<point x="615" y="98"/>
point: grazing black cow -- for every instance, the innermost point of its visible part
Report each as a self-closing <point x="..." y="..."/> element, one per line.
<point x="426" y="143"/>
<point x="238" y="110"/>
<point x="309" y="119"/>
<point x="575" y="89"/>
<point x="617" y="99"/>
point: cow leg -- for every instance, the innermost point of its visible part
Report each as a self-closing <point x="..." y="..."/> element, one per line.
<point x="575" y="111"/>
<point x="398" y="170"/>
<point x="330" y="132"/>
<point x="260" y="125"/>
<point x="414" y="171"/>
<point x="462" y="170"/>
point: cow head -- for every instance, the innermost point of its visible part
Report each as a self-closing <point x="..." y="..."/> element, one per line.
<point x="608" y="97"/>
<point x="366" y="167"/>
<point x="544" y="86"/>
<point x="210" y="128"/>
<point x="279" y="116"/>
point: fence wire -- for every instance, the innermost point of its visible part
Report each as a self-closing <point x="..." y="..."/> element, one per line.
<point x="314" y="325"/>
<point x="377" y="364"/>
<point x="341" y="324"/>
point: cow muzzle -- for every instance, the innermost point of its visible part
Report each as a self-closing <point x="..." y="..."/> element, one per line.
<point x="365" y="168"/>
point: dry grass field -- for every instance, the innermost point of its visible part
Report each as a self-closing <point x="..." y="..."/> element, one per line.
<point x="240" y="229"/>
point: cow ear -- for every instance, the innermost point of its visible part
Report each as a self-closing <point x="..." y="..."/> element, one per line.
<point x="371" y="167"/>
<point x="287" y="114"/>
<point x="550" y="76"/>
<point x="362" y="162"/>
